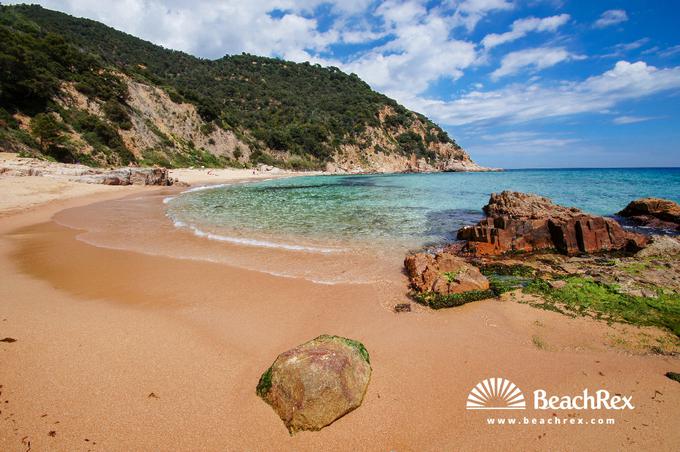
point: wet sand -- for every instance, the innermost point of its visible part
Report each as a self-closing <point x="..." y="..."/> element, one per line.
<point x="122" y="350"/>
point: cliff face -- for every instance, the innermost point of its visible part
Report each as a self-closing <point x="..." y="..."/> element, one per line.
<point x="161" y="131"/>
<point x="381" y="149"/>
<point x="101" y="97"/>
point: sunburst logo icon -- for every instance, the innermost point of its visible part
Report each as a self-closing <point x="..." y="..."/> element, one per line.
<point x="496" y="394"/>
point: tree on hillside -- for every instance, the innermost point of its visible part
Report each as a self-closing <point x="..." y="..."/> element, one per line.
<point x="47" y="130"/>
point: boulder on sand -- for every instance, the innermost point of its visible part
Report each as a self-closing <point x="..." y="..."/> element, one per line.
<point x="315" y="383"/>
<point x="654" y="212"/>
<point x="443" y="273"/>
<point x="522" y="222"/>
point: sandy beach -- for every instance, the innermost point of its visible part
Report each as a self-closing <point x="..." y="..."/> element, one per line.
<point x="124" y="350"/>
<point x="380" y="226"/>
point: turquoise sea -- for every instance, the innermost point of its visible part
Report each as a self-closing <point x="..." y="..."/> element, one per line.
<point x="405" y="209"/>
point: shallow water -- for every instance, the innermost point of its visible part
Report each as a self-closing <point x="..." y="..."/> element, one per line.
<point x="337" y="229"/>
<point x="329" y="213"/>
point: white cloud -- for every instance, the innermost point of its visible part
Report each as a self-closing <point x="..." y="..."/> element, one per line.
<point x="522" y="27"/>
<point x="396" y="12"/>
<point x="536" y="59"/>
<point x="523" y="144"/>
<point x="632" y="45"/>
<point x="419" y="49"/>
<point x="212" y="29"/>
<point x="521" y="103"/>
<point x="470" y="12"/>
<point x="527" y="139"/>
<point x="611" y="17"/>
<point x="358" y="36"/>
<point x="621" y="120"/>
<point x="621" y="49"/>
<point x="669" y="51"/>
<point x="419" y="52"/>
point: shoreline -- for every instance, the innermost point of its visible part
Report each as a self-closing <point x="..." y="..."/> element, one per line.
<point x="25" y="191"/>
<point x="99" y="330"/>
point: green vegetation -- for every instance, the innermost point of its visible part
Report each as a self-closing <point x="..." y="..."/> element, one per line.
<point x="501" y="284"/>
<point x="47" y="130"/>
<point x="439" y="301"/>
<point x="265" y="383"/>
<point x="451" y="277"/>
<point x="583" y="296"/>
<point x="103" y="137"/>
<point x="579" y="296"/>
<point x="117" y="114"/>
<point x="304" y="110"/>
<point x="34" y="63"/>
<point x="508" y="270"/>
<point x="184" y="158"/>
<point x="502" y="278"/>
<point x="505" y="278"/>
<point x="673" y="376"/>
<point x="639" y="266"/>
<point x="358" y="346"/>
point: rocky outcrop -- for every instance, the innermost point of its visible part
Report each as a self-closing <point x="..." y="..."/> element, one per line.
<point x="377" y="150"/>
<point x="129" y="176"/>
<point x="315" y="383"/>
<point x="520" y="222"/>
<point x="661" y="246"/>
<point x="80" y="173"/>
<point x="443" y="280"/>
<point x="654" y="212"/>
<point x="443" y="273"/>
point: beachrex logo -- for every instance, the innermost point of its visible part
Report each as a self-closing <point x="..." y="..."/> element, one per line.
<point x="496" y="394"/>
<point x="502" y="394"/>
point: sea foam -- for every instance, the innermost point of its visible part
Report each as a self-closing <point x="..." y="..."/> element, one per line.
<point x="254" y="242"/>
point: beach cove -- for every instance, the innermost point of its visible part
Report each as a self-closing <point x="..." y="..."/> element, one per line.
<point x="138" y="350"/>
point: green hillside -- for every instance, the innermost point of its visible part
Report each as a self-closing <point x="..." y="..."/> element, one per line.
<point x="270" y="104"/>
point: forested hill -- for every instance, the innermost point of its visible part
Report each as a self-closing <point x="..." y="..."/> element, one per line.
<point x="77" y="90"/>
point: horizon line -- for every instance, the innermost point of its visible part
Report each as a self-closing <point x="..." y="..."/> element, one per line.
<point x="590" y="167"/>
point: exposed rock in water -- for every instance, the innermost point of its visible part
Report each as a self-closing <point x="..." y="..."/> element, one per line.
<point x="315" y="383"/>
<point x="520" y="222"/>
<point x="654" y="212"/>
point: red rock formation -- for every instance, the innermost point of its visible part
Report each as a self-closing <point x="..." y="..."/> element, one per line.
<point x="525" y="222"/>
<point x="443" y="273"/>
<point x="654" y="212"/>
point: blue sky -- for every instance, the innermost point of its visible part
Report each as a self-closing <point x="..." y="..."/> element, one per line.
<point x="518" y="83"/>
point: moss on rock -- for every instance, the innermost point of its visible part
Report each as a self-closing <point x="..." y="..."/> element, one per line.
<point x="438" y="301"/>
